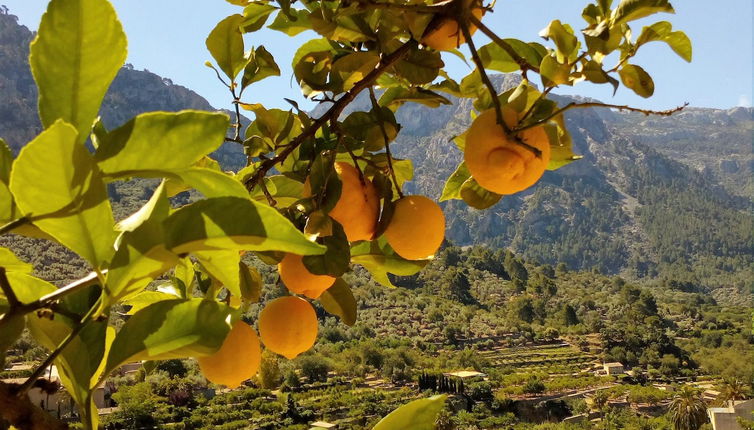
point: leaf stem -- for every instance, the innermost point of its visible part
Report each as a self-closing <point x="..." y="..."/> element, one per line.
<point x="7" y="228"/>
<point x="8" y="291"/>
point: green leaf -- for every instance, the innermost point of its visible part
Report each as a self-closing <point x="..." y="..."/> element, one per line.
<point x="566" y="42"/>
<point x="6" y="162"/>
<point x="352" y="68"/>
<point x="174" y="141"/>
<point x="71" y="203"/>
<point x="79" y="48"/>
<point x="209" y="182"/>
<point x="171" y="329"/>
<point x="223" y="266"/>
<point x="452" y="189"/>
<point x="476" y="196"/>
<point x="420" y="66"/>
<point x="147" y="298"/>
<point x="255" y="16"/>
<point x="234" y="223"/>
<point x="11" y="263"/>
<point x="7" y="205"/>
<point x="338" y="300"/>
<point x="335" y="261"/>
<point x="225" y="43"/>
<point x="637" y="79"/>
<point x="141" y="255"/>
<point x="251" y="283"/>
<point x="80" y="362"/>
<point x="630" y="10"/>
<point x="662" y="31"/>
<point x="554" y="73"/>
<point x="285" y="190"/>
<point x="290" y="26"/>
<point x="561" y="144"/>
<point x="494" y="57"/>
<point x="417" y="415"/>
<point x="379" y="260"/>
<point x="261" y="65"/>
<point x="397" y="96"/>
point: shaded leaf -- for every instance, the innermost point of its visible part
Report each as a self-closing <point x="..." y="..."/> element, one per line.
<point x="379" y="260"/>
<point x="452" y="189"/>
<point x="630" y="10"/>
<point x="339" y="300"/>
<point x="261" y="65"/>
<point x="476" y="196"/>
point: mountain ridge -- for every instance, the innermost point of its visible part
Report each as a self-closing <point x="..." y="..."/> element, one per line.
<point x="652" y="197"/>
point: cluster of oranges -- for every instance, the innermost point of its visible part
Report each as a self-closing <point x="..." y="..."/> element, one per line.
<point x="288" y="325"/>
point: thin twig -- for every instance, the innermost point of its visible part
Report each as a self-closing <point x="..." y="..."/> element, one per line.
<point x="54" y="354"/>
<point x="573" y="105"/>
<point x="521" y="61"/>
<point x="7" y="290"/>
<point x="7" y="228"/>
<point x="334" y="112"/>
<point x="267" y="194"/>
<point x="341" y="142"/>
<point x="236" y="103"/>
<point x="378" y="109"/>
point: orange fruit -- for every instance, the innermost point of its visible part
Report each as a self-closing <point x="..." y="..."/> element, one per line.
<point x="497" y="162"/>
<point x="417" y="228"/>
<point x="299" y="280"/>
<point x="448" y="35"/>
<point x="358" y="207"/>
<point x="237" y="359"/>
<point x="288" y="326"/>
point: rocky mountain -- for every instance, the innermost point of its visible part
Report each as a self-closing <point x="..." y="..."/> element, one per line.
<point x="652" y="197"/>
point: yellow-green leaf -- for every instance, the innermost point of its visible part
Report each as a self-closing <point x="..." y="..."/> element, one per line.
<point x="417" y="415"/>
<point x="225" y="43"/>
<point x="78" y="51"/>
<point x="234" y="223"/>
<point x="338" y="300"/>
<point x="70" y="202"/>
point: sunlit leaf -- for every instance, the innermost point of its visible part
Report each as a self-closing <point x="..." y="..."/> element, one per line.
<point x="637" y="79"/>
<point x="79" y="48"/>
<point x="452" y="189"/>
<point x="380" y="260"/>
<point x="71" y="204"/>
<point x="234" y="223"/>
<point x="261" y="65"/>
<point x="174" y="141"/>
<point x="225" y="43"/>
<point x="630" y="10"/>
<point x="662" y="31"/>
<point x="417" y="415"/>
<point x="171" y="329"/>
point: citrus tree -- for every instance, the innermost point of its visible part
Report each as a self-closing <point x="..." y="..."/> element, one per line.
<point x="317" y="195"/>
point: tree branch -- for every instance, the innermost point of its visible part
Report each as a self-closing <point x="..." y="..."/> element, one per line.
<point x="21" y="413"/>
<point x="334" y="112"/>
<point x="7" y="228"/>
<point x="572" y="105"/>
<point x="7" y="290"/>
<point x="522" y="63"/>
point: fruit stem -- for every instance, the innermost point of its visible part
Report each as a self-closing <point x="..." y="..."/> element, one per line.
<point x="491" y="88"/>
<point x="378" y="111"/>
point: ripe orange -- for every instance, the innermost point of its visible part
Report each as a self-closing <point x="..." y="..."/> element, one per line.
<point x="288" y="326"/>
<point x="237" y="359"/>
<point x="358" y="207"/>
<point x="417" y="228"/>
<point x="299" y="280"/>
<point x="500" y="164"/>
<point x="448" y="35"/>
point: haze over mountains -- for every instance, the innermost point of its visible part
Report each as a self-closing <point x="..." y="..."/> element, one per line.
<point x="653" y="197"/>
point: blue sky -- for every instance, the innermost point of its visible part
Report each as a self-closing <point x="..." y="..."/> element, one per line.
<point x="167" y="38"/>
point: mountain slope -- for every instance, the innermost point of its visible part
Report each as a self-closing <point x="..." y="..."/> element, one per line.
<point x="665" y="197"/>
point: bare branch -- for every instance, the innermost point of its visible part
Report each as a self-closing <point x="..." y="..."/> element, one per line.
<point x="572" y="105"/>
